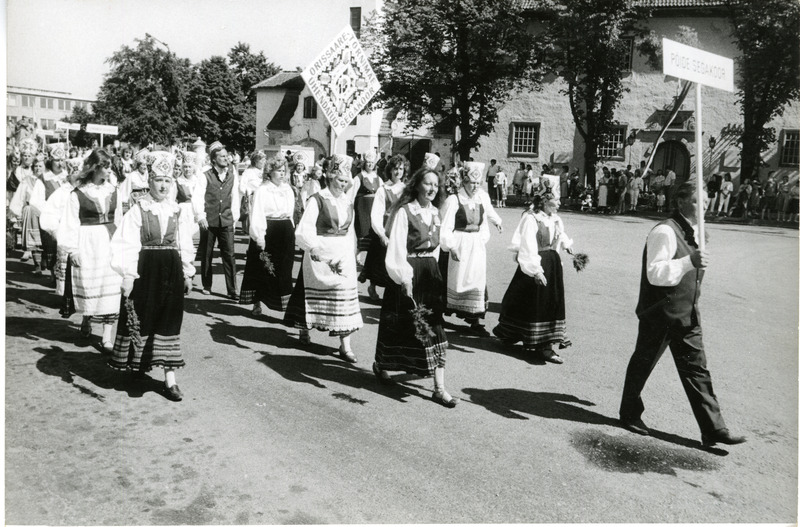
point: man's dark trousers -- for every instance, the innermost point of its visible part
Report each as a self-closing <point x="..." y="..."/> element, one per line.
<point x="686" y="345"/>
<point x="208" y="239"/>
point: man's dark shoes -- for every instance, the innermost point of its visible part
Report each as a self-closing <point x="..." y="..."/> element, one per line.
<point x="723" y="436"/>
<point x="174" y="393"/>
<point x="636" y="426"/>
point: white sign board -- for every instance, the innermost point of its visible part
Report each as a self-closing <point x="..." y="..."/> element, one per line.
<point x="696" y="65"/>
<point x="102" y="129"/>
<point x="341" y="80"/>
<point x="61" y="125"/>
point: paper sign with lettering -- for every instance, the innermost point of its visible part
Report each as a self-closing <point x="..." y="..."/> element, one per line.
<point x="102" y="129"/>
<point x="341" y="80"/>
<point x="696" y="65"/>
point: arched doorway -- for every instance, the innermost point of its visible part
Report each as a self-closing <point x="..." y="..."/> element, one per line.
<point x="672" y="155"/>
<point x="316" y="145"/>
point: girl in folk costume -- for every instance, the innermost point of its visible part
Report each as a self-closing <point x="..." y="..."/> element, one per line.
<point x="249" y="181"/>
<point x="27" y="155"/>
<point x="136" y="183"/>
<point x="365" y="185"/>
<point x="375" y="265"/>
<point x="410" y="333"/>
<point x="270" y="256"/>
<point x="311" y="186"/>
<point x="325" y="296"/>
<point x="183" y="192"/>
<point x="52" y="180"/>
<point x="533" y="306"/>
<point x="49" y="221"/>
<point x="296" y="180"/>
<point x="465" y="232"/>
<point x="126" y="158"/>
<point x="84" y="234"/>
<point x="153" y="255"/>
<point x="24" y="206"/>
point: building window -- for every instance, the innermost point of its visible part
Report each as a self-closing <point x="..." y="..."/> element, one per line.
<point x="44" y="102"/>
<point x="48" y="124"/>
<point x="309" y="108"/>
<point x="355" y="20"/>
<point x="612" y="144"/>
<point x="790" y="148"/>
<point x="64" y="104"/>
<point x="627" y="59"/>
<point x="350" y="147"/>
<point x="524" y="139"/>
<point x="28" y="100"/>
<point x="11" y="99"/>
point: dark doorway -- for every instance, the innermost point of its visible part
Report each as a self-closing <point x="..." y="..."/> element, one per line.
<point x="672" y="155"/>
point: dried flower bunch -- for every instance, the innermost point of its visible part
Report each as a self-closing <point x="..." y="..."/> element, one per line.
<point x="133" y="325"/>
<point x="268" y="265"/>
<point x="579" y="261"/>
<point x="422" y="330"/>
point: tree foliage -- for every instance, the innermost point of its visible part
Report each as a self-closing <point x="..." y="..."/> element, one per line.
<point x="451" y="63"/>
<point x="766" y="33"/>
<point x="81" y="116"/>
<point x="145" y="93"/>
<point x="250" y="68"/>
<point x="587" y="43"/>
<point x="219" y="108"/>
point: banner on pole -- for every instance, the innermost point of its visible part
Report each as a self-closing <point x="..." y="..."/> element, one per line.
<point x="696" y="65"/>
<point x="341" y="80"/>
<point x="102" y="129"/>
<point x="61" y="125"/>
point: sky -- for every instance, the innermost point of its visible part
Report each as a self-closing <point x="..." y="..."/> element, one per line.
<point x="62" y="45"/>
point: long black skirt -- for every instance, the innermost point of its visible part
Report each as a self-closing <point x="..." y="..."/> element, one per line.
<point x="67" y="301"/>
<point x="363" y="208"/>
<point x="49" y="250"/>
<point x="398" y="348"/>
<point x="375" y="265"/>
<point x="157" y="297"/>
<point x="532" y="313"/>
<point x="272" y="287"/>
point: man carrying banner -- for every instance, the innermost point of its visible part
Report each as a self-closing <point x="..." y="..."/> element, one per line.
<point x="672" y="271"/>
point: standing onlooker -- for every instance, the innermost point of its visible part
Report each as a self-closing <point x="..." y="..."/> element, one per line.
<point x="770" y="195"/>
<point x="491" y="173"/>
<point x="794" y="202"/>
<point x="713" y="187"/>
<point x="500" y="185"/>
<point x="782" y="203"/>
<point x="672" y="272"/>
<point x="661" y="199"/>
<point x="646" y="174"/>
<point x="725" y="192"/>
<point x="635" y="186"/>
<point x="622" y="190"/>
<point x="669" y="185"/>
<point x="754" y="202"/>
<point x="564" y="184"/>
<point x="519" y="179"/>
<point x="743" y="198"/>
<point x="602" y="191"/>
<point x="657" y="182"/>
<point x="220" y="187"/>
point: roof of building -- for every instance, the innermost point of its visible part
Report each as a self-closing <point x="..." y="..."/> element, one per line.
<point x="284" y="79"/>
<point x="45" y="93"/>
<point x="538" y="4"/>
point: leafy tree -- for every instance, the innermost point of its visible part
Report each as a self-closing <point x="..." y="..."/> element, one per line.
<point x="218" y="109"/>
<point x="144" y="94"/>
<point x="766" y="33"/>
<point x="250" y="69"/>
<point x="586" y="44"/>
<point x="451" y="63"/>
<point x="81" y="116"/>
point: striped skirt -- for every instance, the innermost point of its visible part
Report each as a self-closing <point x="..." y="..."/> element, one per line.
<point x="157" y="298"/>
<point x="31" y="236"/>
<point x="398" y="348"/>
<point x="273" y="287"/>
<point x="532" y="313"/>
<point x="325" y="298"/>
<point x="96" y="286"/>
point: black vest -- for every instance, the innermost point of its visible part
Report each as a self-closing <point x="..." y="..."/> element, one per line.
<point x="218" y="199"/>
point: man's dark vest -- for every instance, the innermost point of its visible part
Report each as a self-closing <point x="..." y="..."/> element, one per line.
<point x="676" y="303"/>
<point x="218" y="199"/>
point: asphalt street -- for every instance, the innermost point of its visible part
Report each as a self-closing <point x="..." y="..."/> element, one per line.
<point x="270" y="432"/>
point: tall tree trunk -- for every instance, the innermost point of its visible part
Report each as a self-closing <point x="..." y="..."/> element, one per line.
<point x="590" y="162"/>
<point x="751" y="154"/>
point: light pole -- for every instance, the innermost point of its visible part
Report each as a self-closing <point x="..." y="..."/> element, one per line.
<point x="712" y="142"/>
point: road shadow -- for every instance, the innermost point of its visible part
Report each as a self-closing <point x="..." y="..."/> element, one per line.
<point x="327" y="372"/>
<point x="196" y="303"/>
<point x="45" y="328"/>
<point x="460" y="340"/>
<point x="92" y="367"/>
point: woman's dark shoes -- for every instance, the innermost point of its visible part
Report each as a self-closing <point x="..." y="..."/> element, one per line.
<point x="723" y="436"/>
<point x="444" y="399"/>
<point x="382" y="376"/>
<point x="636" y="426"/>
<point x="476" y="328"/>
<point x="347" y="356"/>
<point x="551" y="356"/>
<point x="86" y="330"/>
<point x="373" y="294"/>
<point x="174" y="393"/>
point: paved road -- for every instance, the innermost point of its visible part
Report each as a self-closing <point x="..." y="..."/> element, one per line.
<point x="272" y="434"/>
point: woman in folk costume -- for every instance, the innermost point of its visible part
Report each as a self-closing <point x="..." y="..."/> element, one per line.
<point x="52" y="180"/>
<point x="325" y="296"/>
<point x="533" y="306"/>
<point x="465" y="232"/>
<point x="270" y="256"/>
<point x="84" y="234"/>
<point x="152" y="253"/>
<point x="410" y="333"/>
<point x="183" y="192"/>
<point x="49" y="221"/>
<point x="375" y="265"/>
<point x="365" y="185"/>
<point x="312" y="185"/>
<point x="297" y="178"/>
<point x="136" y="183"/>
<point x="249" y="181"/>
<point x="25" y="206"/>
<point x="27" y="150"/>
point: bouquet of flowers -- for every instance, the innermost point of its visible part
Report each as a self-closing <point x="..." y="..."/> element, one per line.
<point x="267" y="262"/>
<point x="133" y="325"/>
<point x="335" y="267"/>
<point x="422" y="330"/>
<point x="580" y="261"/>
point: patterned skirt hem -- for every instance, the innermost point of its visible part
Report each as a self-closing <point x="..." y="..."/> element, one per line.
<point x="121" y="366"/>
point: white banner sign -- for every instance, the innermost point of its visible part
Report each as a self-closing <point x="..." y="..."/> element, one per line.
<point x="341" y="80"/>
<point x="61" y="125"/>
<point x="102" y="129"/>
<point x="696" y="65"/>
